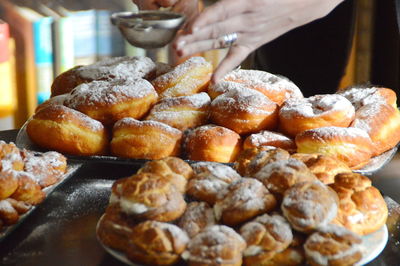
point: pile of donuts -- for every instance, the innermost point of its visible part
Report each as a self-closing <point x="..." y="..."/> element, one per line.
<point x="136" y="108"/>
<point x="24" y="177"/>
<point x="270" y="208"/>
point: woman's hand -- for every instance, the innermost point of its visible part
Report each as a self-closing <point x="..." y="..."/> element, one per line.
<point x="255" y="22"/>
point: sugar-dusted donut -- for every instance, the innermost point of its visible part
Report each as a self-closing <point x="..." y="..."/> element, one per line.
<point x="124" y="68"/>
<point x="382" y="123"/>
<point x="244" y="111"/>
<point x="145" y="139"/>
<point x="56" y="100"/>
<point x="110" y="101"/>
<point x="297" y="115"/>
<point x="276" y="88"/>
<point x="360" y="96"/>
<point x="269" y="138"/>
<point x="190" y="77"/>
<point x="198" y="215"/>
<point x="182" y="112"/>
<point x="10" y="157"/>
<point x="28" y="190"/>
<point x="63" y="129"/>
<point x="212" y="143"/>
<point x="8" y="183"/>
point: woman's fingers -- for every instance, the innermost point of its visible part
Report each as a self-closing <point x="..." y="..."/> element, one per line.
<point x="235" y="57"/>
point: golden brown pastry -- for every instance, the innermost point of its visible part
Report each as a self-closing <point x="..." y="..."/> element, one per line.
<point x="114" y="229"/>
<point x="174" y="169"/>
<point x="360" y="96"/>
<point x="156" y="243"/>
<point x="250" y="161"/>
<point x="10" y="157"/>
<point x="324" y="167"/>
<point x="298" y="115"/>
<point x="145" y="139"/>
<point x="244" y="111"/>
<point x="292" y="256"/>
<point x="150" y="196"/>
<point x="309" y="205"/>
<point x="265" y="236"/>
<point x="269" y="138"/>
<point x="182" y="112"/>
<point x="212" y="143"/>
<point x="28" y="190"/>
<point x="362" y="208"/>
<point x="8" y="183"/>
<point x="110" y="101"/>
<point x="8" y="215"/>
<point x="217" y="245"/>
<point x="280" y="175"/>
<point x="382" y="123"/>
<point x="243" y="200"/>
<point x="63" y="129"/>
<point x="198" y="215"/>
<point x="47" y="168"/>
<point x="190" y="77"/>
<point x="20" y="206"/>
<point x="333" y="245"/>
<point x="123" y="68"/>
<point x="56" y="100"/>
<point x="351" y="145"/>
<point x="276" y="88"/>
<point x="209" y="180"/>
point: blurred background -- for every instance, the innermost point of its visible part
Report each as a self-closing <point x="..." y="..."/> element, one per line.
<point x="39" y="39"/>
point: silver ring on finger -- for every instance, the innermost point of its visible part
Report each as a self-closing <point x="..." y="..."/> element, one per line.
<point x="227" y="40"/>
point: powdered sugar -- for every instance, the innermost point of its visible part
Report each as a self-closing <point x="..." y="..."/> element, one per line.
<point x="316" y="106"/>
<point x="109" y="93"/>
<point x="125" y="68"/>
<point x="131" y="122"/>
<point x="329" y="133"/>
<point x="197" y="216"/>
<point x="196" y="101"/>
<point x="362" y="96"/>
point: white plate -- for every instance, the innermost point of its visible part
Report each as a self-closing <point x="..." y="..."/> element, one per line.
<point x="372" y="245"/>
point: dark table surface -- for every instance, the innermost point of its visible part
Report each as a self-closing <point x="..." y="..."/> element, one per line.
<point x="61" y="230"/>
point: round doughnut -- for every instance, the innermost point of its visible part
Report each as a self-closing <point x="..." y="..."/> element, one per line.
<point x="63" y="129"/>
<point x="155" y="243"/>
<point x="324" y="167"/>
<point x="382" y="123"/>
<point x="124" y="68"/>
<point x="215" y="245"/>
<point x="10" y="157"/>
<point x="149" y="196"/>
<point x="209" y="180"/>
<point x="244" y="111"/>
<point x="110" y="101"/>
<point x="309" y="205"/>
<point x="198" y="215"/>
<point x="362" y="209"/>
<point x="8" y="215"/>
<point x="297" y="115"/>
<point x="212" y="143"/>
<point x="333" y="245"/>
<point x="250" y="161"/>
<point x="351" y="145"/>
<point x="190" y="77"/>
<point x="276" y="88"/>
<point x="56" y="100"/>
<point x="176" y="170"/>
<point x="243" y="200"/>
<point x="280" y="175"/>
<point x="265" y="236"/>
<point x="182" y="112"/>
<point x="145" y="139"/>
<point x="360" y="96"/>
<point x="269" y="138"/>
<point x="47" y="168"/>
